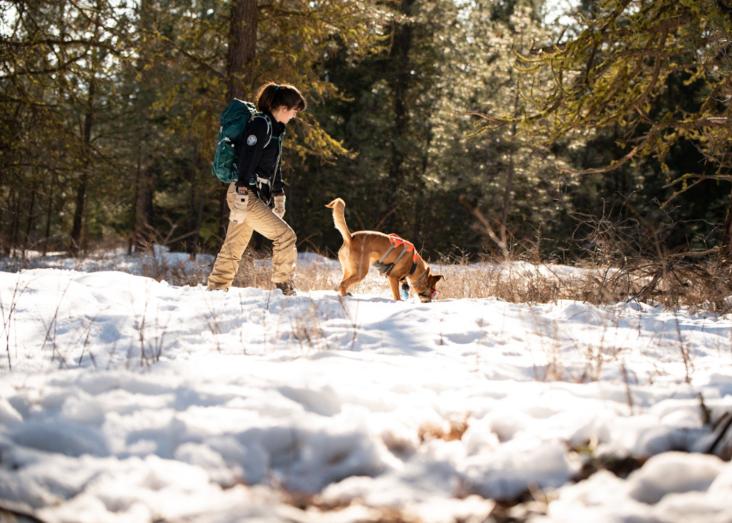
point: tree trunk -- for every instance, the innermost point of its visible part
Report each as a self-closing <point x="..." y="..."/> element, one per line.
<point x="728" y="232"/>
<point x="77" y="240"/>
<point x="29" y="222"/>
<point x="144" y="231"/>
<point x="143" y="209"/>
<point x="49" y="213"/>
<point x="143" y="218"/>
<point x="242" y="49"/>
<point x="195" y="214"/>
<point x="399" y="58"/>
<point x="510" y="174"/>
<point x="77" y="227"/>
<point x="420" y="193"/>
<point x="15" y="220"/>
<point x="4" y="236"/>
<point x="135" y="193"/>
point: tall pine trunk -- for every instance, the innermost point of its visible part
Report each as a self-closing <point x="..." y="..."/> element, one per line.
<point x="400" y="62"/>
<point x="195" y="214"/>
<point x="49" y="214"/>
<point x="242" y="49"/>
<point x="14" y="230"/>
<point x="30" y="222"/>
<point x="503" y="243"/>
<point x="77" y="240"/>
<point x="727" y="246"/>
<point x="142" y="210"/>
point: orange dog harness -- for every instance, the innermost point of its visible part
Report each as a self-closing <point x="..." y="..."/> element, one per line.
<point x="396" y="242"/>
<point x="407" y="246"/>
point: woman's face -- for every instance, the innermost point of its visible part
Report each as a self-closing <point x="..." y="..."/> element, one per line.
<point x="283" y="115"/>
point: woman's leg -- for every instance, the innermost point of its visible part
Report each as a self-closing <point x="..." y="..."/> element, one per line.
<point x="227" y="262"/>
<point x="284" y="251"/>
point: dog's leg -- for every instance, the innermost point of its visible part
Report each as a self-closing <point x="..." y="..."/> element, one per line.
<point x="394" y="284"/>
<point x="354" y="271"/>
<point x="347" y="282"/>
<point x="344" y="258"/>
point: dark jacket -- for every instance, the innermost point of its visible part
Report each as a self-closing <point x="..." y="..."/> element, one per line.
<point x="258" y="152"/>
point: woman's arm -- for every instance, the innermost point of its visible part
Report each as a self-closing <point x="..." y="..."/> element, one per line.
<point x="250" y="151"/>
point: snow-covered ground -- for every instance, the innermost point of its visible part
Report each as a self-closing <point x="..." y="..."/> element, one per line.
<point x="136" y="400"/>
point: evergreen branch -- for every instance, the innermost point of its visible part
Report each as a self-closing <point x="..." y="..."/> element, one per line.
<point x="686" y="177"/>
<point x="61" y="42"/>
<point x="61" y="67"/>
<point x="487" y="228"/>
<point x="193" y="58"/>
<point x="83" y="12"/>
<point x="612" y="166"/>
<point x="7" y="99"/>
<point x="506" y="120"/>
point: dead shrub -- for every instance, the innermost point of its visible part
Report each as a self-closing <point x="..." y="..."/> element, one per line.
<point x="454" y="431"/>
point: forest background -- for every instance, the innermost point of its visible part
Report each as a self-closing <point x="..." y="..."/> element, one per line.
<point x="474" y="128"/>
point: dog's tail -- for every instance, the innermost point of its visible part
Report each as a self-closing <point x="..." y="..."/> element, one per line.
<point x="339" y="218"/>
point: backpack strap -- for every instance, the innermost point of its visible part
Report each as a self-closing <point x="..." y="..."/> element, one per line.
<point x="269" y="127"/>
<point x="386" y="268"/>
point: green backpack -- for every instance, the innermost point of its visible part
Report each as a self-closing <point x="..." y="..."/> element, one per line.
<point x="233" y="121"/>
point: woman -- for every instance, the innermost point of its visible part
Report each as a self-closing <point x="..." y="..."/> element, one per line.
<point x="260" y="185"/>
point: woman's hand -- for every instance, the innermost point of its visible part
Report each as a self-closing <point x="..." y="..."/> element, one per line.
<point x="239" y="203"/>
<point x="279" y="205"/>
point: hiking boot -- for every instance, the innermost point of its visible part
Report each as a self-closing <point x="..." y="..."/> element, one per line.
<point x="287" y="288"/>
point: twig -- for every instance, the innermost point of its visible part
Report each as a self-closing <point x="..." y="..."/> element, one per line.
<point x="628" y="392"/>
<point x="18" y="515"/>
<point x="684" y="351"/>
<point x="142" y="331"/>
<point x="53" y="325"/>
<point x="706" y="414"/>
<point x="8" y="322"/>
<point x="159" y="340"/>
<point x="487" y="228"/>
<point x="86" y="342"/>
<point x="725" y="421"/>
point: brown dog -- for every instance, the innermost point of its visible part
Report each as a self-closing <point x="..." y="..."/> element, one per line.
<point x="395" y="257"/>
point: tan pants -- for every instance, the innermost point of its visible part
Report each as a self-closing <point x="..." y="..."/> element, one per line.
<point x="259" y="218"/>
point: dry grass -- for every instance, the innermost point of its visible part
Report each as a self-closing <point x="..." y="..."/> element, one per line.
<point x="177" y="273"/>
<point x="453" y="430"/>
<point x="704" y="285"/>
<point x="671" y="281"/>
<point x="254" y="271"/>
<point x="700" y="286"/>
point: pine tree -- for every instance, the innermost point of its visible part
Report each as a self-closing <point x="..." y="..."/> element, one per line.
<point x="616" y="72"/>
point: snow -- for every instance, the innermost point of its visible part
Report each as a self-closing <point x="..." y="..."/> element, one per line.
<point x="670" y="487"/>
<point x="132" y="399"/>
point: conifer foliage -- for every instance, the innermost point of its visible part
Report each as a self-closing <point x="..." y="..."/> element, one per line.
<point x="478" y="127"/>
<point x="659" y="73"/>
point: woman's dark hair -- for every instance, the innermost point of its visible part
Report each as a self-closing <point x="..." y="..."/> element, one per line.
<point x="272" y="95"/>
